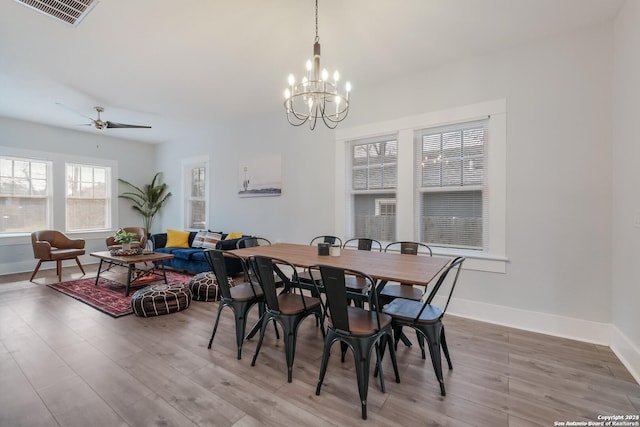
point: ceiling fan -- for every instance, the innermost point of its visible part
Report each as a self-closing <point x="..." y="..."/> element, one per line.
<point x="100" y="124"/>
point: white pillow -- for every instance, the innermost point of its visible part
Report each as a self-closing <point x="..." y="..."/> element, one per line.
<point x="199" y="239"/>
<point x="211" y="239"/>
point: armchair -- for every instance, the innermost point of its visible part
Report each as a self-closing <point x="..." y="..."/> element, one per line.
<point x="141" y="242"/>
<point x="52" y="245"/>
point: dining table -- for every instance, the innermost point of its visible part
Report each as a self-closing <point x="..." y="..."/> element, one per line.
<point x="383" y="267"/>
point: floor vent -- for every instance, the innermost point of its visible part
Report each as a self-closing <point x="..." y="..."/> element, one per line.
<point x="70" y="12"/>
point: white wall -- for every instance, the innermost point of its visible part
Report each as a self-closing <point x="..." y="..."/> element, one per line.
<point x="305" y="208"/>
<point x="558" y="95"/>
<point x="626" y="186"/>
<point x="135" y="163"/>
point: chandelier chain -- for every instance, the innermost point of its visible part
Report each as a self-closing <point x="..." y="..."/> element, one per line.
<point x="317" y="38"/>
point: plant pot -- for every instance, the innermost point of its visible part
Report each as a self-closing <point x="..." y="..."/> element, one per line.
<point x="126" y="246"/>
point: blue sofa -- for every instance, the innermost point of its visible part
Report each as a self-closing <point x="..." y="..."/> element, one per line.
<point x="192" y="259"/>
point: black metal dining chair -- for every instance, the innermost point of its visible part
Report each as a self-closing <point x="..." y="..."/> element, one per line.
<point x="304" y="276"/>
<point x="410" y="291"/>
<point x="363" y="244"/>
<point x="356" y="283"/>
<point x="426" y="318"/>
<point x="289" y="307"/>
<point x="239" y="296"/>
<point x="252" y="242"/>
<point x="356" y="328"/>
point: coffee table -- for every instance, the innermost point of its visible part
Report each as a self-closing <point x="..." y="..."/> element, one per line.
<point x="130" y="262"/>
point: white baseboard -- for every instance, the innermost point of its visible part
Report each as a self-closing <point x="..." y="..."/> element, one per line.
<point x="28" y="265"/>
<point x="628" y="353"/>
<point x="544" y="323"/>
<point x="552" y="324"/>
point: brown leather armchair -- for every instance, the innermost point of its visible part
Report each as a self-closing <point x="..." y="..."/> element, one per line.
<point x="141" y="243"/>
<point x="52" y="245"/>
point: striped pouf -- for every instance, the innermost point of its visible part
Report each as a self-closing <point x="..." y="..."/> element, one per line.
<point x="155" y="300"/>
<point x="204" y="287"/>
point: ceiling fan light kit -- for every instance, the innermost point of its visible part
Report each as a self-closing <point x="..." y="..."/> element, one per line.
<point x="99" y="124"/>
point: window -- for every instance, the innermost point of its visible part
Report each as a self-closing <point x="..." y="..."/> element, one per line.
<point x="25" y="195"/>
<point x="88" y="201"/>
<point x="463" y="192"/>
<point x="195" y="195"/>
<point x="451" y="185"/>
<point x="374" y="172"/>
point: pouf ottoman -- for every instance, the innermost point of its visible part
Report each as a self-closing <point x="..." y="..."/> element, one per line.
<point x="155" y="300"/>
<point x="204" y="287"/>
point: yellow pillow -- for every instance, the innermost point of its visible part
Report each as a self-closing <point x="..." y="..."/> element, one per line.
<point x="233" y="235"/>
<point x="177" y="239"/>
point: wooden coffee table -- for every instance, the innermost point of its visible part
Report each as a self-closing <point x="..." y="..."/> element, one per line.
<point x="130" y="262"/>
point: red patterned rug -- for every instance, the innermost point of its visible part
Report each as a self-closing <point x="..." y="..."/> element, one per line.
<point x="108" y="295"/>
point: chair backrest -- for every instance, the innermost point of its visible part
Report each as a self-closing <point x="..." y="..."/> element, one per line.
<point x="56" y="239"/>
<point x="216" y="260"/>
<point x="409" y="248"/>
<point x="455" y="265"/>
<point x="333" y="279"/>
<point x="252" y="242"/>
<point x="141" y="232"/>
<point x="364" y="244"/>
<point x="332" y="240"/>
<point x="265" y="268"/>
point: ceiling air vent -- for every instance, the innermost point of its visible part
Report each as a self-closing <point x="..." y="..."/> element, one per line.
<point x="68" y="11"/>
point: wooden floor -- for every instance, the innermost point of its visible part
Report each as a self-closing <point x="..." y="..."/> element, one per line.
<point x="64" y="363"/>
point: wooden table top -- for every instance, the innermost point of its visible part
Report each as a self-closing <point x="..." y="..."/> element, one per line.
<point x="387" y="266"/>
<point x="132" y="259"/>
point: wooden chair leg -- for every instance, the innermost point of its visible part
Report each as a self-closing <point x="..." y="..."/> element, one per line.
<point x="80" y="265"/>
<point x="36" y="270"/>
<point x="59" y="269"/>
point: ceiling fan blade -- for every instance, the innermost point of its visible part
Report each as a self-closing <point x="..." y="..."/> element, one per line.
<point x="113" y="125"/>
<point x="76" y="112"/>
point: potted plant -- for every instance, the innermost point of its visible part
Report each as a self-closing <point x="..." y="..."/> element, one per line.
<point x="147" y="200"/>
<point x="125" y="238"/>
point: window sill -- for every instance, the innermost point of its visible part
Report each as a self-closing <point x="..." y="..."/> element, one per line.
<point x="476" y="260"/>
<point x="10" y="239"/>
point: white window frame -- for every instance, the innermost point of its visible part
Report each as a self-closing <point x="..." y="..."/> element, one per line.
<point x="108" y="197"/>
<point x="494" y="258"/>
<point x="57" y="207"/>
<point x="187" y="166"/>
<point x="48" y="197"/>
<point x="460" y="187"/>
<point x="382" y="192"/>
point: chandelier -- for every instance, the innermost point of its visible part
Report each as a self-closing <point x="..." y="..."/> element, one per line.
<point x="315" y="96"/>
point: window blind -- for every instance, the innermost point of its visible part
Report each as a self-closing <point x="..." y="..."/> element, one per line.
<point x="374" y="178"/>
<point x="451" y="185"/>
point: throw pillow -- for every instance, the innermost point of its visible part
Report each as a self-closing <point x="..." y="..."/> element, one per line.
<point x="234" y="235"/>
<point x="177" y="239"/>
<point x="210" y="240"/>
<point x="199" y="239"/>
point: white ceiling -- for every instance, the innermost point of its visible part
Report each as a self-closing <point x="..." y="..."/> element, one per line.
<point x="181" y="66"/>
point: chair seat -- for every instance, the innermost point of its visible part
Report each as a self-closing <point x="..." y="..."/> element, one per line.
<point x="355" y="283"/>
<point x="396" y="290"/>
<point x="243" y="292"/>
<point x="363" y="322"/>
<point x="65" y="253"/>
<point x="408" y="310"/>
<point x="291" y="303"/>
<point x="305" y="276"/>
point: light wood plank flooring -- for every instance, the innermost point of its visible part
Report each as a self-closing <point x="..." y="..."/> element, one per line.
<point x="64" y="363"/>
